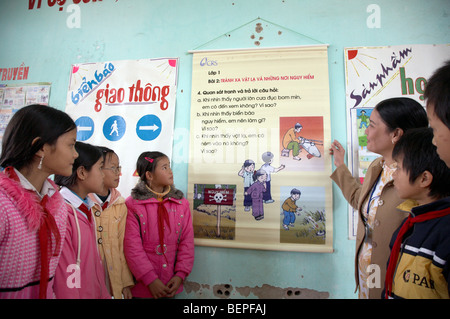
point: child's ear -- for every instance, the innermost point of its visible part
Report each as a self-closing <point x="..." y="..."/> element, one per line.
<point x="81" y="173"/>
<point x="426" y="179"/>
<point x="148" y="176"/>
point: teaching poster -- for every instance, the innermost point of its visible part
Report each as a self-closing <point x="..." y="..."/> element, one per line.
<point x="127" y="106"/>
<point x="14" y="97"/>
<point x="258" y="172"/>
<point x="373" y="74"/>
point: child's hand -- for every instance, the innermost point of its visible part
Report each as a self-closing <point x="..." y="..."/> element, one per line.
<point x="126" y="292"/>
<point x="158" y="289"/>
<point x="173" y="285"/>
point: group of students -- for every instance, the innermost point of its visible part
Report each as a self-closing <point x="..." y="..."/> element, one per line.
<point x="74" y="236"/>
<point x="403" y="203"/>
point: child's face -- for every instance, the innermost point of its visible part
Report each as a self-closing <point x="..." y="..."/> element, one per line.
<point x="441" y="136"/>
<point x="59" y="160"/>
<point x="162" y="176"/>
<point x="262" y="178"/>
<point x="295" y="197"/>
<point x="93" y="183"/>
<point x="111" y="170"/>
<point x="405" y="189"/>
<point x="250" y="168"/>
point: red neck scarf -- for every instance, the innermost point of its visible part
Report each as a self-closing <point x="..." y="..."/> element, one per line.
<point x="163" y="216"/>
<point x="47" y="228"/>
<point x="410" y="221"/>
<point x="87" y="211"/>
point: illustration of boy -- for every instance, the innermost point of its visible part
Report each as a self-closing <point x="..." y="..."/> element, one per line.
<point x="290" y="209"/>
<point x="267" y="158"/>
<point x="256" y="192"/>
<point x="420" y="247"/>
<point x="246" y="173"/>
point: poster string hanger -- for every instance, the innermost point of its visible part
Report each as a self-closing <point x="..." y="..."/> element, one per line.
<point x="227" y="34"/>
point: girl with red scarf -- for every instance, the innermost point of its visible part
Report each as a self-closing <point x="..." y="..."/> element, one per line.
<point x="159" y="236"/>
<point x="39" y="141"/>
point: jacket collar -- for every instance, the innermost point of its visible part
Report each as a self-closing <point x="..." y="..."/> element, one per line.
<point x="114" y="198"/>
<point x="413" y="207"/>
<point x="141" y="192"/>
<point x="27" y="201"/>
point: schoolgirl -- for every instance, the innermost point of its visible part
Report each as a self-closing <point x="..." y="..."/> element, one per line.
<point x="110" y="222"/>
<point x="80" y="273"/>
<point x="38" y="142"/>
<point x="159" y="236"/>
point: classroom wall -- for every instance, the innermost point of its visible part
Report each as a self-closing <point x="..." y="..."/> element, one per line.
<point x="53" y="37"/>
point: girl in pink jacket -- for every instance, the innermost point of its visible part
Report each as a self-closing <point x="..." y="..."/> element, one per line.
<point x="159" y="236"/>
<point x="80" y="273"/>
<point x="38" y="142"/>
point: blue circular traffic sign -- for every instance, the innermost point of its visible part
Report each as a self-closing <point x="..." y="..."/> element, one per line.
<point x="148" y="127"/>
<point x="85" y="128"/>
<point x="114" y="128"/>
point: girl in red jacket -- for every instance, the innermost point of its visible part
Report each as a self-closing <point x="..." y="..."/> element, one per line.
<point x="159" y="236"/>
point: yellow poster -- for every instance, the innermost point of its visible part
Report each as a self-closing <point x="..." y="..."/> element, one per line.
<point x="258" y="169"/>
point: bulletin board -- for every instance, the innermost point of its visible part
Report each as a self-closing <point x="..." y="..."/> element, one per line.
<point x="14" y="97"/>
<point x="258" y="175"/>
<point x="373" y="74"/>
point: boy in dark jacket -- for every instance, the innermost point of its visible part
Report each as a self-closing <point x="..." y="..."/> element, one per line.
<point x="419" y="263"/>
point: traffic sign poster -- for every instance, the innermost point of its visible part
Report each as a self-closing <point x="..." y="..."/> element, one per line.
<point x="127" y="105"/>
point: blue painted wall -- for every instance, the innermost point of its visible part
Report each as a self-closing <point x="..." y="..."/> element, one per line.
<point x="134" y="29"/>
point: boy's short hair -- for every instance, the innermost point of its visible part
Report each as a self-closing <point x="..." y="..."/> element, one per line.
<point x="295" y="191"/>
<point x="419" y="155"/>
<point x="437" y="93"/>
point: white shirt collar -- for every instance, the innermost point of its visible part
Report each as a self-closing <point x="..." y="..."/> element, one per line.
<point x="74" y="199"/>
<point x="47" y="187"/>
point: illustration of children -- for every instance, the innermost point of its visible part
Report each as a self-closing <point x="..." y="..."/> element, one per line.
<point x="256" y="191"/>
<point x="246" y="173"/>
<point x="267" y="158"/>
<point x="290" y="209"/>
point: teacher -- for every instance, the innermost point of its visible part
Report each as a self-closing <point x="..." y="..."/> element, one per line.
<point x="376" y="199"/>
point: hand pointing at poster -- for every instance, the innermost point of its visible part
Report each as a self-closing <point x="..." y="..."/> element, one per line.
<point x="337" y="150"/>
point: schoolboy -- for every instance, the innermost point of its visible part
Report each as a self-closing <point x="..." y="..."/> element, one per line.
<point x="290" y="208"/>
<point x="419" y="263"/>
<point x="437" y="94"/>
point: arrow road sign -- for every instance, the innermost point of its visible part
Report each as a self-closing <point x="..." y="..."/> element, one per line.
<point x="85" y="128"/>
<point x="148" y="127"/>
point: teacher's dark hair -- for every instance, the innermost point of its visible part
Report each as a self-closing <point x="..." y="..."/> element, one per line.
<point x="402" y="112"/>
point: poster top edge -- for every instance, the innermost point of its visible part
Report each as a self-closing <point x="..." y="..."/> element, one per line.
<point x="261" y="49"/>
